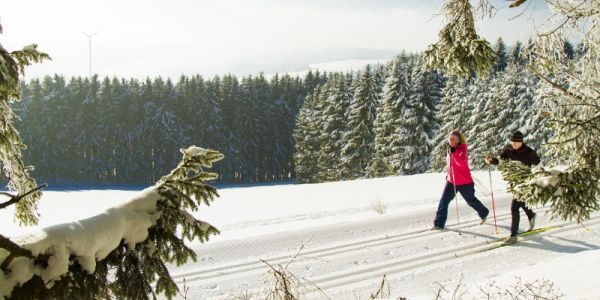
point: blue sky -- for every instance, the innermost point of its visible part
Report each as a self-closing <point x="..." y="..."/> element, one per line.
<point x="169" y="38"/>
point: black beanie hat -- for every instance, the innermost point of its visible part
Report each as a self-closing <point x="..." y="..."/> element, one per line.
<point x="517" y="136"/>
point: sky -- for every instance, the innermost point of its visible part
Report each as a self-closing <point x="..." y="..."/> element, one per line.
<point x="170" y="38"/>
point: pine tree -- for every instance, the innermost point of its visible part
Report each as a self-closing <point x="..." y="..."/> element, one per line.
<point x="516" y="57"/>
<point x="230" y="93"/>
<point x="282" y="125"/>
<point x="251" y="127"/>
<point x="334" y="98"/>
<point x="358" y="140"/>
<point x="501" y="56"/>
<point x="460" y="51"/>
<point x="418" y="124"/>
<point x="88" y="139"/>
<point x="396" y="92"/>
<point x="12" y="66"/>
<point x="305" y="140"/>
<point x="483" y="134"/>
<point x="538" y="127"/>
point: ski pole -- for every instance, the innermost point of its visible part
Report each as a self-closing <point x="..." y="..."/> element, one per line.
<point x="492" y="193"/>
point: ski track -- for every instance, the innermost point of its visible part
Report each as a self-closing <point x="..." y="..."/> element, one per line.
<point x="354" y="256"/>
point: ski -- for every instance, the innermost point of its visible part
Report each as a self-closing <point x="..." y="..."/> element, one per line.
<point x="528" y="233"/>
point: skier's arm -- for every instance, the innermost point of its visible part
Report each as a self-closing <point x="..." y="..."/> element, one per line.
<point x="503" y="155"/>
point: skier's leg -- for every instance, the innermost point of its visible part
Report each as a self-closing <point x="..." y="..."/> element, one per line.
<point x="468" y="192"/>
<point x="528" y="211"/>
<point x="530" y="215"/>
<point x="514" y="211"/>
<point x="442" y="212"/>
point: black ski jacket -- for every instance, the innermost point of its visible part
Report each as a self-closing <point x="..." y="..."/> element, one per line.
<point x="524" y="154"/>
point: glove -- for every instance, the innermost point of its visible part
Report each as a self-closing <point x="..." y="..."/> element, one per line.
<point x="452" y="149"/>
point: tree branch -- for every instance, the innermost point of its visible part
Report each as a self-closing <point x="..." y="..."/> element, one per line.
<point x="554" y="84"/>
<point x="16" y="198"/>
<point x="14" y="249"/>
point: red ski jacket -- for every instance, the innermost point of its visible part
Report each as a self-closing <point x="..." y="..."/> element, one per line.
<point x="457" y="164"/>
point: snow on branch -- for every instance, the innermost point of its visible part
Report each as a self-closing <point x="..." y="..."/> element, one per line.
<point x="460" y="51"/>
<point x="571" y="190"/>
<point x="121" y="252"/>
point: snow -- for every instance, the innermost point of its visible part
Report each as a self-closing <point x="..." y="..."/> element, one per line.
<point x="565" y="272"/>
<point x="88" y="239"/>
<point x="349" y="245"/>
<point x="194" y="150"/>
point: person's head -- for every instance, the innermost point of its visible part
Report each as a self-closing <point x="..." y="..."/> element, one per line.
<point x="516" y="140"/>
<point x="456" y="138"/>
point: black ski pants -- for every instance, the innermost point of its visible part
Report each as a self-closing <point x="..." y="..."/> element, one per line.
<point x="514" y="210"/>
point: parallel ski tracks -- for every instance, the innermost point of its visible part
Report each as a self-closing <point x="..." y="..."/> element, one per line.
<point x="343" y="249"/>
<point x="407" y="263"/>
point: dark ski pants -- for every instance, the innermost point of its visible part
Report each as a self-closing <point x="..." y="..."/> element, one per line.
<point x="468" y="192"/>
<point x="514" y="211"/>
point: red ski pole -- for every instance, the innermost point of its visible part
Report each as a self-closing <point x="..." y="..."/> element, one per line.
<point x="493" y="204"/>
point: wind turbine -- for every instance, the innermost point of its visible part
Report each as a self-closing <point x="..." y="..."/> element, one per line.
<point x="90" y="46"/>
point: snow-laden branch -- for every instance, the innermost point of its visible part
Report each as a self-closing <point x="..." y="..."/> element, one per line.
<point x="137" y="238"/>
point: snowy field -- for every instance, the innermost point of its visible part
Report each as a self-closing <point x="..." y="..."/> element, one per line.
<point x="353" y="233"/>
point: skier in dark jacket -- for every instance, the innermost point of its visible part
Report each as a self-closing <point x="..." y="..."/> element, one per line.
<point x="517" y="150"/>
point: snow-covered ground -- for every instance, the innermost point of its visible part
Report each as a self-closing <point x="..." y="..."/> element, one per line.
<point x="348" y="246"/>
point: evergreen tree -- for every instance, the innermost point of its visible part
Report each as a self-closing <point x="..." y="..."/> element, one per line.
<point x="284" y="102"/>
<point x="250" y="127"/>
<point x="460" y="51"/>
<point x="516" y="57"/>
<point x="230" y="93"/>
<point x="305" y="140"/>
<point x="335" y="97"/>
<point x="482" y="135"/>
<point x="88" y="139"/>
<point x="501" y="56"/>
<point x="358" y="140"/>
<point x="418" y="124"/>
<point x="394" y="98"/>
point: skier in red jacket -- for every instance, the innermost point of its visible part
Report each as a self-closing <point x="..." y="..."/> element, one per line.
<point x="458" y="179"/>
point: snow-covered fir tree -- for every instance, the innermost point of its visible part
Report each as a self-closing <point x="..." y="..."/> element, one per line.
<point x="335" y="96"/>
<point x="516" y="57"/>
<point x="417" y="123"/>
<point x="306" y="135"/>
<point x="459" y="50"/>
<point x="393" y="101"/>
<point x="483" y="137"/>
<point x="282" y="126"/>
<point x="501" y="56"/>
<point x="358" y="140"/>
